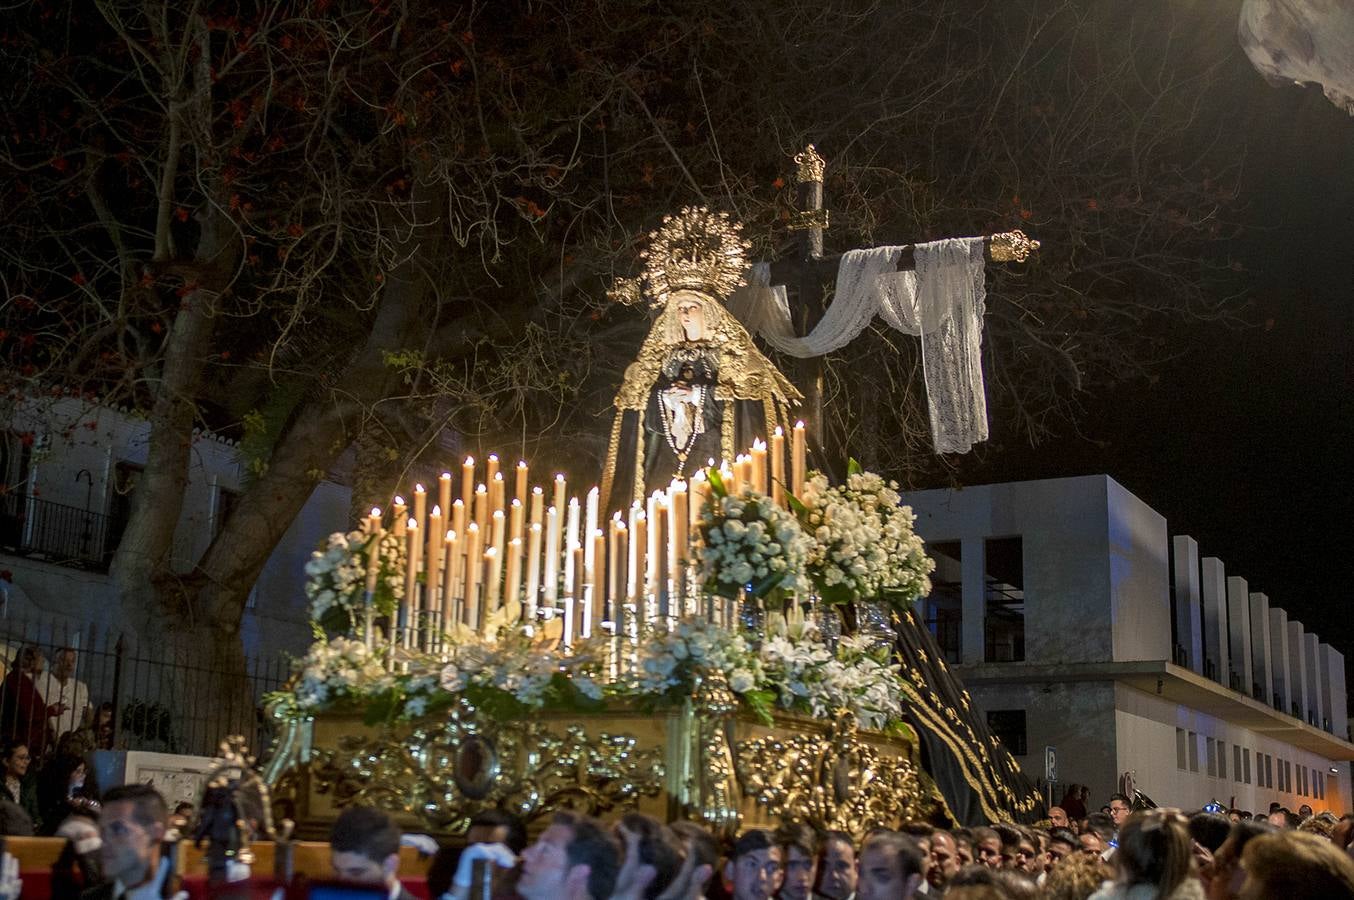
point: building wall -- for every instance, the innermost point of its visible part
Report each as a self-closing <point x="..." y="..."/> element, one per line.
<point x="1139" y="561"/>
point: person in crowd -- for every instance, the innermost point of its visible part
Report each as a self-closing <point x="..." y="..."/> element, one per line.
<point x="1295" y="866"/>
<point x="14" y="821"/>
<point x="702" y="857"/>
<point x="890" y="867"/>
<point x="1062" y="843"/>
<point x="963" y="840"/>
<point x="651" y="859"/>
<point x="61" y="791"/>
<point x="987" y="847"/>
<point x="756" y="866"/>
<point x="1098" y="835"/>
<point x="1304" y="812"/>
<point x="944" y="861"/>
<point x="1321" y="825"/>
<point x="1010" y="843"/>
<point x="132" y="825"/>
<point x="921" y="833"/>
<point x="1222" y="877"/>
<point x="1119" y="808"/>
<point x="487" y="828"/>
<point x="1057" y="817"/>
<point x="981" y="883"/>
<point x="1074" y="801"/>
<point x="837" y="867"/>
<point x="67" y="697"/>
<point x="23" y="712"/>
<point x="1027" y="859"/>
<point x="364" y="848"/>
<point x="575" y="858"/>
<point x="20" y="785"/>
<point x="1076" y="877"/>
<point x="1153" y="861"/>
<point x="799" y="849"/>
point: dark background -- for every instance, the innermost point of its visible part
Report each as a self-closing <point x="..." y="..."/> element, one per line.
<point x="1244" y="441"/>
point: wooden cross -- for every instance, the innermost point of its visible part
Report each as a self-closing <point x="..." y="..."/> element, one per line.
<point x="809" y="270"/>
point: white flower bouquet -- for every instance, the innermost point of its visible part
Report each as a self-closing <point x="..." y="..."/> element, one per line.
<point x="336" y="576"/>
<point x="749" y="545"/>
<point x="864" y="543"/>
<point x="338" y="670"/>
<point x="810" y="677"/>
<point x="521" y="671"/>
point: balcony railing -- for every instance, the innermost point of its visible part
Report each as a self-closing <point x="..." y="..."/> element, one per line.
<point x="56" y="533"/>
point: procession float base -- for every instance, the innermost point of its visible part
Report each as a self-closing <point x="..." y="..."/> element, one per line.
<point x="707" y="762"/>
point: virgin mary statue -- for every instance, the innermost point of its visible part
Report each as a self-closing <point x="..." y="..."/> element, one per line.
<point x="699" y="390"/>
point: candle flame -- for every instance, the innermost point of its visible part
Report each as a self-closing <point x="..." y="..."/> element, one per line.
<point x="521" y="464"/>
<point x="780" y="432"/>
<point x="451" y="537"/>
<point x="498" y="514"/>
<point x="481" y="489"/>
<point x="376" y="511"/>
<point x="535" y="526"/>
<point x="493" y="457"/>
<point x="413" y="523"/>
<point x="418" y="489"/>
<point x="445" y="476"/>
<point x="437" y="510"/>
<point x="456" y="503"/>
<point x="538" y="490"/>
<point x="559" y="477"/>
<point x="799" y="424"/>
<point x="399" y="501"/>
<point x="515" y="542"/>
<point x="516" y="503"/>
<point x="470" y="460"/>
<point x="473" y="526"/>
<point x="498" y="476"/>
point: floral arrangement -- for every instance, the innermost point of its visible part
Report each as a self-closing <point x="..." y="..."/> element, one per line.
<point x="336" y="578"/>
<point x="525" y="671"/>
<point x="337" y="670"/>
<point x="670" y="662"/>
<point x="864" y="543"/>
<point x="750" y="545"/>
<point x="809" y="676"/>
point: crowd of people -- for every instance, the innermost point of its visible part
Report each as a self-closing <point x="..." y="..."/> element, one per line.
<point x="1121" y="854"/>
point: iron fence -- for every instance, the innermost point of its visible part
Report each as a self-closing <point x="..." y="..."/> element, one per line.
<point x="57" y="533"/>
<point x="136" y="700"/>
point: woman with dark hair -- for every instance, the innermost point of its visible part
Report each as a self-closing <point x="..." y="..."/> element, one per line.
<point x="15" y="759"/>
<point x="62" y="792"/>
<point x="1153" y="861"/>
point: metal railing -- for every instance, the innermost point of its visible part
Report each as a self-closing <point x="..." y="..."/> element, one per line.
<point x="56" y="533"/>
<point x="136" y="700"/>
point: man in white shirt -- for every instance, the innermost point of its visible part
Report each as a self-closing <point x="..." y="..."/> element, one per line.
<point x="66" y="696"/>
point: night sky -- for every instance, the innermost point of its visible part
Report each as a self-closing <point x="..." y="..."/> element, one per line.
<point x="1245" y="441"/>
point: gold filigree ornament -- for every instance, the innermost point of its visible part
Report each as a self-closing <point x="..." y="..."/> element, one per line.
<point x="809" y="166"/>
<point x="695" y="250"/>
<point x="833" y="781"/>
<point x="1011" y="246"/>
<point x="445" y="772"/>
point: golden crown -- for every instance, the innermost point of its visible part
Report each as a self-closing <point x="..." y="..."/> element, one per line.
<point x="696" y="250"/>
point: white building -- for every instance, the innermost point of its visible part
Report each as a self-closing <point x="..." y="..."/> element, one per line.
<point x="1079" y="623"/>
<point x="66" y="476"/>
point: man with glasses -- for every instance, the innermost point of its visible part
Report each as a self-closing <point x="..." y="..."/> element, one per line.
<point x="1120" y="809"/>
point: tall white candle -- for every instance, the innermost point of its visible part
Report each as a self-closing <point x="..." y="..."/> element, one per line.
<point x="533" y="570"/>
<point x="552" y="539"/>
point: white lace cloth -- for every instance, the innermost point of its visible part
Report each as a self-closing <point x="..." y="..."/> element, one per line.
<point x="942" y="302"/>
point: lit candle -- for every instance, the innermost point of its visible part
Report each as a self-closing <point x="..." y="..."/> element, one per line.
<point x="655" y="526"/>
<point x="619" y="560"/>
<point x="572" y="539"/>
<point x="552" y="535"/>
<point x="513" y="590"/>
<point x="491" y="468"/>
<point x="515" y="517"/>
<point x="573" y="602"/>
<point x="433" y="565"/>
<point x="447" y="609"/>
<point x="662" y="597"/>
<point x="411" y="599"/>
<point x="499" y="533"/>
<point x="496" y="493"/>
<point x="589" y="526"/>
<point x="678" y="521"/>
<point x="537" y="507"/>
<point x="758" y="460"/>
<point x="374" y="558"/>
<point x="778" y="466"/>
<point x="798" y="459"/>
<point x="745" y="480"/>
<point x="613" y="571"/>
<point x="471" y="608"/>
<point x="444" y="492"/>
<point x="592" y="596"/>
<point x="493" y="563"/>
<point x="482" y="507"/>
<point x="733" y="476"/>
<point x="399" y="519"/>
<point x="635" y="562"/>
<point x="700" y="488"/>
<point x="373" y="524"/>
<point x="458" y="517"/>
<point x="533" y="569"/>
<point x="468" y="483"/>
<point x="520" y="489"/>
<point x="560" y="500"/>
<point x="421" y="508"/>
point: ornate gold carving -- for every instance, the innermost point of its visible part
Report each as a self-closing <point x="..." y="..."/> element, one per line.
<point x="696" y="250"/>
<point x="625" y="291"/>
<point x="446" y="771"/>
<point x="832" y="781"/>
<point x="809" y="166"/>
<point x="718" y="800"/>
<point x="807" y="219"/>
<point x="1011" y="246"/>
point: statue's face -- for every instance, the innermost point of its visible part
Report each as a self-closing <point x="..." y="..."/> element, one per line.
<point x="691" y="315"/>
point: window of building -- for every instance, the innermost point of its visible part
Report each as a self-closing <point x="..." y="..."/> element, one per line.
<point x="1211" y="754"/>
<point x="1009" y="727"/>
<point x="1181" y="754"/>
<point x="943" y="608"/>
<point x="1193" y="752"/>
<point x="1318" y="784"/>
<point x="1236" y="762"/>
<point x="1222" y="760"/>
<point x="1269" y="771"/>
<point x="1004" y="593"/>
